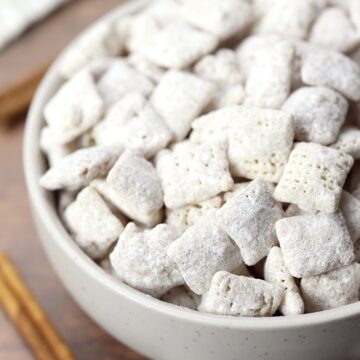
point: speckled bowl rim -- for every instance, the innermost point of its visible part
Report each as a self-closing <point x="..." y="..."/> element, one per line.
<point x="43" y="206"/>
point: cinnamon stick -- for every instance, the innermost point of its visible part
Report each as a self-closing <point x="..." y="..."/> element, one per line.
<point x="23" y="323"/>
<point x="40" y="321"/>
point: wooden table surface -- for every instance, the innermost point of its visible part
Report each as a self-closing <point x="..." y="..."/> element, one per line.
<point x="17" y="234"/>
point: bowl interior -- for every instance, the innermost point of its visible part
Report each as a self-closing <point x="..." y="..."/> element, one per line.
<point x="43" y="204"/>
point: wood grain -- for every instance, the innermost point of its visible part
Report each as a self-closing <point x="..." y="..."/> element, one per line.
<point x="35" y="50"/>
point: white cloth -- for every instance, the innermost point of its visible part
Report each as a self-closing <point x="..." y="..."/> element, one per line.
<point x="17" y="15"/>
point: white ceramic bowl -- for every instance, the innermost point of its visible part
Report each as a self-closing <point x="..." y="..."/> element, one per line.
<point x="160" y="330"/>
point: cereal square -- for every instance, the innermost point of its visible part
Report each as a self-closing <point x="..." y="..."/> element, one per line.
<point x="121" y="79"/>
<point x="334" y="70"/>
<point x="314" y="244"/>
<point x="213" y="127"/>
<point x="349" y="141"/>
<point x="137" y="30"/>
<point x="226" y="96"/>
<point x="163" y="11"/>
<point x="253" y="47"/>
<point x="234" y="295"/>
<point x="276" y="272"/>
<point x="313" y="177"/>
<point x="80" y="167"/>
<point x="50" y="146"/>
<point x="140" y="260"/>
<point x="235" y="190"/>
<point x="189" y="215"/>
<point x="221" y="67"/>
<point x="91" y="222"/>
<point x="350" y="208"/>
<point x="132" y="124"/>
<point x="191" y="173"/>
<point x="183" y="297"/>
<point x="223" y="19"/>
<point x="145" y="67"/>
<point x="178" y="45"/>
<point x="333" y="29"/>
<point x="74" y="109"/>
<point x="291" y="18"/>
<point x="179" y="98"/>
<point x="268" y="82"/>
<point x="133" y="187"/>
<point x="335" y="288"/>
<point x="260" y="142"/>
<point x="249" y="219"/>
<point x="318" y="114"/>
<point x="201" y="251"/>
<point x="101" y="41"/>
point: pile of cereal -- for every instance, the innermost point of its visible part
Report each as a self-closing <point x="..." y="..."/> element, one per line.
<point x="200" y="151"/>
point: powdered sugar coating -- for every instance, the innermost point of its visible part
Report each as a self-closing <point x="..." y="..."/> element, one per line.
<point x="235" y="190"/>
<point x="333" y="289"/>
<point x="189" y="215"/>
<point x="178" y="45"/>
<point x="133" y="186"/>
<point x="191" y="173"/>
<point x="314" y="244"/>
<point x="80" y="167"/>
<point x="121" y="79"/>
<point x="259" y="143"/>
<point x="241" y="296"/>
<point x="276" y="272"/>
<point x="132" y="124"/>
<point x="140" y="260"/>
<point x="102" y="40"/>
<point x="137" y="31"/>
<point x="201" y="251"/>
<point x="227" y="95"/>
<point x="74" y="109"/>
<point x="145" y="67"/>
<point x="349" y="141"/>
<point x="318" y="114"/>
<point x="183" y="297"/>
<point x="350" y="207"/>
<point x="222" y="19"/>
<point x="334" y="70"/>
<point x="213" y="127"/>
<point x="333" y="29"/>
<point x="253" y="47"/>
<point x="163" y="11"/>
<point x="162" y="94"/>
<point x="221" y="67"/>
<point x="269" y="79"/>
<point x="249" y="219"/>
<point x="54" y="150"/>
<point x="313" y="177"/>
<point x="289" y="18"/>
<point x="109" y="130"/>
<point x="92" y="224"/>
<point x="179" y="98"/>
<point x="98" y="67"/>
